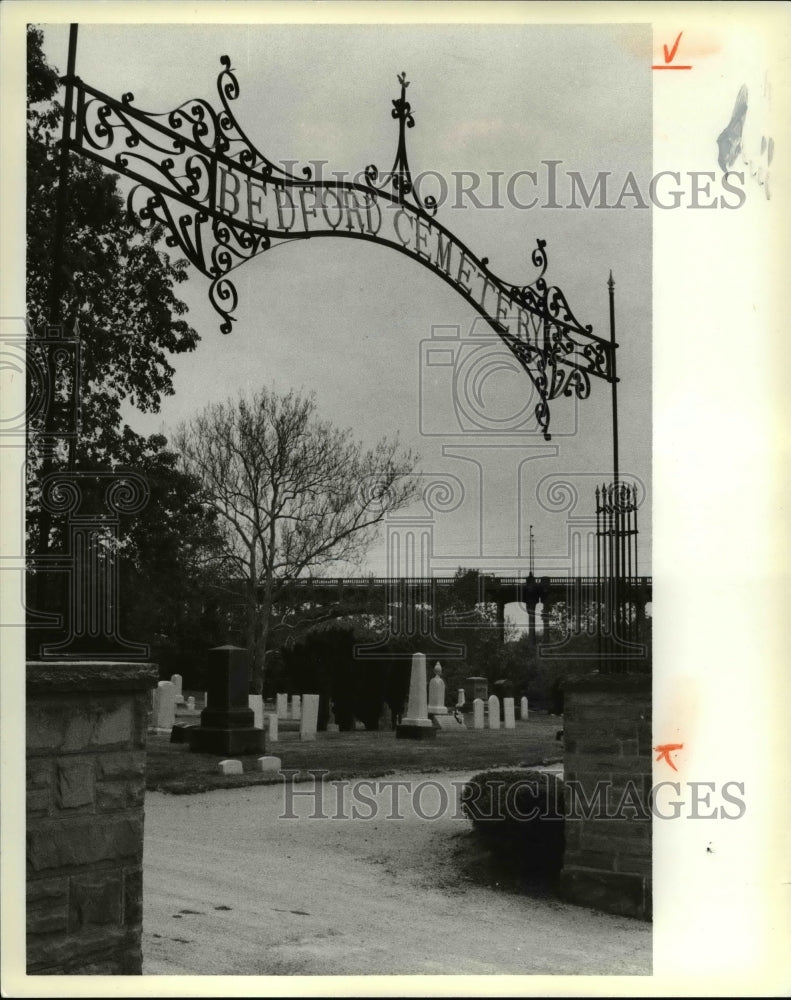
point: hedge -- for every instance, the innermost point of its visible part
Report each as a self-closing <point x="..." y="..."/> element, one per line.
<point x="519" y="813"/>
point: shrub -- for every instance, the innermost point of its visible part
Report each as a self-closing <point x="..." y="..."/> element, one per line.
<point x="520" y="815"/>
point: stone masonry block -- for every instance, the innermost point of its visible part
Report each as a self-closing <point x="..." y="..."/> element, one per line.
<point x="39" y="773"/>
<point x="47" y="905"/>
<point x="70" y="953"/>
<point x="37" y="801"/>
<point x="58" y="725"/>
<point x="55" y="844"/>
<point x="631" y="829"/>
<point x="75" y="783"/>
<point x="617" y="846"/>
<point x="612" y="892"/>
<point x="95" y="898"/>
<point x="115" y="795"/>
<point x="115" y="724"/>
<point x="634" y="864"/>
<point x="133" y="897"/>
<point x="121" y="764"/>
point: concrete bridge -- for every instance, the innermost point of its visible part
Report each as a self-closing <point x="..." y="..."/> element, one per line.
<point x="575" y="592"/>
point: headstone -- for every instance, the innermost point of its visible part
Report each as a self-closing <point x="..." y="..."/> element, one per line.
<point x="256" y="702"/>
<point x="226" y="724"/>
<point x="282" y="706"/>
<point x="267" y="764"/>
<point x="296" y="708"/>
<point x="272" y="717"/>
<point x="480" y="687"/>
<point x="450" y="722"/>
<point x="386" y="719"/>
<point x="229" y="767"/>
<point x="436" y="693"/>
<point x="494" y="712"/>
<point x="416" y="724"/>
<point x="523" y="709"/>
<point x="310" y="717"/>
<point x="175" y="680"/>
<point x="191" y="703"/>
<point x="165" y="706"/>
<point x="332" y="725"/>
<point x="509" y="720"/>
<point x="461" y="699"/>
<point x="477" y="714"/>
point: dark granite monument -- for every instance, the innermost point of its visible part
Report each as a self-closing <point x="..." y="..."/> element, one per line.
<point x="226" y="724"/>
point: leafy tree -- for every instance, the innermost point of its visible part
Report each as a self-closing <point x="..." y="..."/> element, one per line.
<point x="293" y="493"/>
<point x="167" y="573"/>
<point x="117" y="291"/>
<point x="116" y="284"/>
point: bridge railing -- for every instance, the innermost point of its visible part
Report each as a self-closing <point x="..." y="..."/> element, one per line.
<point x="446" y="581"/>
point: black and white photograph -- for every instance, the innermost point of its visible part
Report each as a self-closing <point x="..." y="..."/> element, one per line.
<point x="368" y="370"/>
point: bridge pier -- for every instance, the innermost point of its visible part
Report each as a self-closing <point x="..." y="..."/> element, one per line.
<point x="501" y="620"/>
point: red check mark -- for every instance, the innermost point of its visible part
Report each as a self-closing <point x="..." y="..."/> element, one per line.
<point x="670" y="56"/>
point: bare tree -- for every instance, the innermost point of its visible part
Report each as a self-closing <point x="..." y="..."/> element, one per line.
<point x="295" y="494"/>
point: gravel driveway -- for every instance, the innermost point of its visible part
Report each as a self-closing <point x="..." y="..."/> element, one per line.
<point x="233" y="888"/>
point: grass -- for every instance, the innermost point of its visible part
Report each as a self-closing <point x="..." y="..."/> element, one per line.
<point x="172" y="767"/>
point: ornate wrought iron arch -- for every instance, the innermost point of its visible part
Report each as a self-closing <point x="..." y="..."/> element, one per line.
<point x="222" y="202"/>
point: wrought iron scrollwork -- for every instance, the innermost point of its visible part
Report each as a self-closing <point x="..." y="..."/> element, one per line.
<point x="399" y="178"/>
<point x="197" y="170"/>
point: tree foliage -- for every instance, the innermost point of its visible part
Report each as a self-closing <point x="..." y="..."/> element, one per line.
<point x="118" y="294"/>
<point x="294" y="494"/>
<point x="116" y="282"/>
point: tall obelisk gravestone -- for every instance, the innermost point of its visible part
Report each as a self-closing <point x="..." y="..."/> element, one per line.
<point x="416" y="725"/>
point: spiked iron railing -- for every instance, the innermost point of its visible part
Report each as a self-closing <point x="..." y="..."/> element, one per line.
<point x="619" y="625"/>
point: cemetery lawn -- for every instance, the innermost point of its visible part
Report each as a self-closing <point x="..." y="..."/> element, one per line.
<point x="173" y="768"/>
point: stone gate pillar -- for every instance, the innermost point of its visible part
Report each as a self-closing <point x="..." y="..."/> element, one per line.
<point x="86" y="734"/>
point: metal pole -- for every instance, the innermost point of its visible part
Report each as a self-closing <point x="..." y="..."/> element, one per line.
<point x="614" y="346"/>
<point x="63" y="178"/>
<point x="61" y="207"/>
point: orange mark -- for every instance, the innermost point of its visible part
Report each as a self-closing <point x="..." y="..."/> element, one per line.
<point x="665" y="749"/>
<point x="671" y="55"/>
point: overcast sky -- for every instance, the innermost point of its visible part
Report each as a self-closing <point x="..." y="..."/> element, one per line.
<point x="351" y="320"/>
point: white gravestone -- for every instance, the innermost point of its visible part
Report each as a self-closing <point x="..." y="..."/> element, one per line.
<point x="296" y="707"/>
<point x="176" y="681"/>
<point x="310" y="717"/>
<point x="477" y="713"/>
<point x="191" y="703"/>
<point x="417" y="707"/>
<point x="272" y="717"/>
<point x="494" y="712"/>
<point x="268" y="764"/>
<point x="230" y="767"/>
<point x="436" y="693"/>
<point x="523" y="709"/>
<point x="461" y="699"/>
<point x="509" y="719"/>
<point x="165" y="706"/>
<point x="256" y="702"/>
<point x="282" y="706"/>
